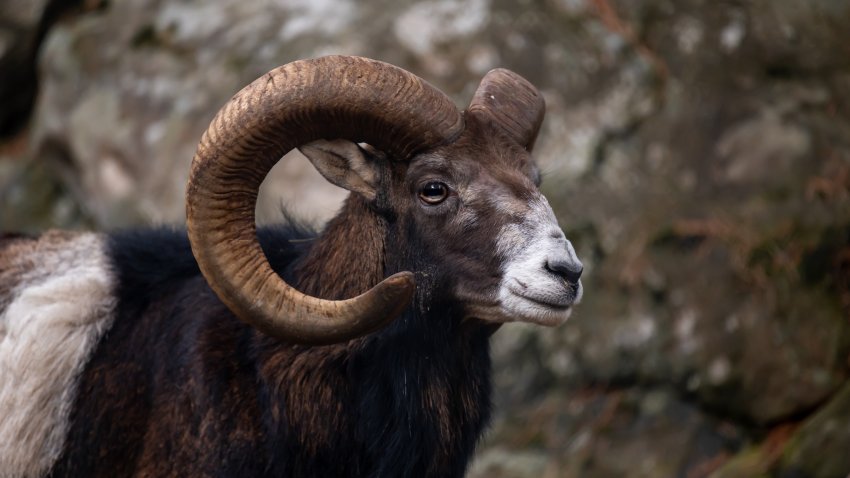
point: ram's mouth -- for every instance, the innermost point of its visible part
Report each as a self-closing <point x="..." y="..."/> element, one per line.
<point x="549" y="306"/>
<point x="512" y="307"/>
<point x="536" y="311"/>
<point x="552" y="301"/>
<point x="512" y="302"/>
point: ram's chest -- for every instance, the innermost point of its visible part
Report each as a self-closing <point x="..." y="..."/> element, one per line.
<point x="56" y="301"/>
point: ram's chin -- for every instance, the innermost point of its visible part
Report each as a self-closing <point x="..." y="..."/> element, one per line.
<point x="514" y="308"/>
<point x="523" y="309"/>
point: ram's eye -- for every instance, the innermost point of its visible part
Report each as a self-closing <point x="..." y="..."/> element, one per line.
<point x="434" y="192"/>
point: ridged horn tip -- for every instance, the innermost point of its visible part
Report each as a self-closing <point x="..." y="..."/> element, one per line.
<point x="512" y="103"/>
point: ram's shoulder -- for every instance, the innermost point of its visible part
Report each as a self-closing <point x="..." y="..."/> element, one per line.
<point x="155" y="258"/>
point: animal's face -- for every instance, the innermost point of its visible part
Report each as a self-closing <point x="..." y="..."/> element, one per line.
<point x="478" y="223"/>
<point x="492" y="235"/>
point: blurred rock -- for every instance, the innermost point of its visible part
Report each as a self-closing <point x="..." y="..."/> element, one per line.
<point x="696" y="214"/>
<point x="155" y="73"/>
<point x="23" y="24"/>
<point x="34" y="195"/>
<point x="596" y="434"/>
<point x="801" y="37"/>
<point x="819" y="447"/>
<point x="19" y="32"/>
<point x="500" y="463"/>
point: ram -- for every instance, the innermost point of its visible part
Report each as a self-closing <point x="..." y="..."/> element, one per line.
<point x="362" y="350"/>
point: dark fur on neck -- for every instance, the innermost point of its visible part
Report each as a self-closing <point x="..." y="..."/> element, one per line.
<point x="180" y="387"/>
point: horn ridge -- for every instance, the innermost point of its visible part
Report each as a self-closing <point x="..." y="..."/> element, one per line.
<point x="354" y="98"/>
<point x="512" y="103"/>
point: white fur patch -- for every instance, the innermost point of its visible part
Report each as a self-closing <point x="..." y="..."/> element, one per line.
<point x="528" y="291"/>
<point x="60" y="305"/>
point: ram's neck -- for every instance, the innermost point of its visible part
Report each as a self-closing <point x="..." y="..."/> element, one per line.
<point x="348" y="257"/>
<point x="420" y="387"/>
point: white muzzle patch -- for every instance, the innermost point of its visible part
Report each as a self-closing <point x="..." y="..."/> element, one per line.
<point x="541" y="271"/>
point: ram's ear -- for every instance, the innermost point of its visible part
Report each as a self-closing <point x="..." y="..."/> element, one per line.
<point x="345" y="164"/>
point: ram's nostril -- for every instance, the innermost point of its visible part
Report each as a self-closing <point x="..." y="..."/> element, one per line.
<point x="569" y="270"/>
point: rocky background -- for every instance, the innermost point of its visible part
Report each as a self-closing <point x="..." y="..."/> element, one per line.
<point x="697" y="153"/>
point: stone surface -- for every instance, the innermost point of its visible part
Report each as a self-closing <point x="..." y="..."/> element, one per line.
<point x="19" y="35"/>
<point x="597" y="433"/>
<point x="819" y="447"/>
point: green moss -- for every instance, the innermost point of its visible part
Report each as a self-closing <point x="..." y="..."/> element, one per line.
<point x="749" y="463"/>
<point x="819" y="448"/>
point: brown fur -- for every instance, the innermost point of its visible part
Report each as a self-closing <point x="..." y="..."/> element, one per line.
<point x="181" y="387"/>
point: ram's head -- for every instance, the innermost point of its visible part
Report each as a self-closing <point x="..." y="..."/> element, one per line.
<point x="459" y="190"/>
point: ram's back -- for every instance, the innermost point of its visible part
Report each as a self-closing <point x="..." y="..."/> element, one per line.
<point x="60" y="293"/>
<point x="55" y="303"/>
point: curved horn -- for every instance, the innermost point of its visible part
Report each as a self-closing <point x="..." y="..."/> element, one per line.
<point x="512" y="103"/>
<point x="353" y="98"/>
